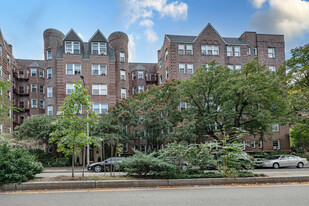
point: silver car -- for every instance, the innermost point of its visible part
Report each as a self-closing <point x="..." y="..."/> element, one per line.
<point x="278" y="161"/>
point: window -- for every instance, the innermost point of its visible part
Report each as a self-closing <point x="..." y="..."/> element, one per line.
<point x="50" y="110"/>
<point x="123" y="93"/>
<point x="255" y="51"/>
<point x="189" y="49"/>
<point x="9" y="113"/>
<point x="272" y="68"/>
<point x="98" y="48"/>
<point x="181" y="68"/>
<point x="33" y="72"/>
<point x="21" y="89"/>
<point x="72" y="47"/>
<point x="73" y="69"/>
<point x="48" y="54"/>
<point x="210" y="50"/>
<point x="0" y="51"/>
<point x="134" y="90"/>
<point x="34" y="103"/>
<point x="122" y="75"/>
<point x="21" y="73"/>
<point x="9" y="130"/>
<point x="140" y="75"/>
<point x="165" y="54"/>
<point x="146" y="76"/>
<point x="248" y="51"/>
<point x="33" y="87"/>
<point x="275" y="127"/>
<point x="99" y="69"/>
<point x="160" y="63"/>
<point x="122" y="57"/>
<point x="183" y="105"/>
<point x="9" y="95"/>
<point x="260" y="144"/>
<point x="253" y="144"/>
<point x="271" y="52"/>
<point x="0" y="70"/>
<point x="237" y="51"/>
<point x="9" y="77"/>
<point x="243" y="145"/>
<point x="1" y="129"/>
<point x="140" y="88"/>
<point x="190" y="68"/>
<point x="9" y="59"/>
<point x="276" y="144"/>
<point x="69" y="88"/>
<point x="230" y="66"/>
<point x="49" y="73"/>
<point x="161" y="79"/>
<point x="42" y="104"/>
<point x="99" y="89"/>
<point x="49" y="92"/>
<point x="100" y="108"/>
<point x="42" y="89"/>
<point x="237" y="66"/>
<point x="181" y="49"/>
<point x="21" y="104"/>
<point x="41" y="73"/>
<point x="229" y="51"/>
<point x="133" y="75"/>
<point x="166" y="73"/>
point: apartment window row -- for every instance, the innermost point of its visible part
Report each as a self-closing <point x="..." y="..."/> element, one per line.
<point x="100" y="108"/>
<point x="209" y="49"/>
<point x="34" y="104"/>
<point x="34" y="89"/>
<point x="72" y="47"/>
<point x="185" y="49"/>
<point x="99" y="69"/>
<point x="233" y="51"/>
<point x="182" y="68"/>
<point x="236" y="66"/>
<point x="140" y="75"/>
<point x="99" y="48"/>
<point x="99" y="89"/>
<point x="137" y="89"/>
<point x="73" y="69"/>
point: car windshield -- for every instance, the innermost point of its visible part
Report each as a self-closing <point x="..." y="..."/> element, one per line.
<point x="273" y="157"/>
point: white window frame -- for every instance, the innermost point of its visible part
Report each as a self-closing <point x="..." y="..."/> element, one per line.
<point x="272" y="68"/>
<point x="237" y="67"/>
<point x="49" y="91"/>
<point x="237" y="51"/>
<point x="73" y="45"/>
<point x="123" y="75"/>
<point x="49" y="73"/>
<point x="210" y="50"/>
<point x="252" y="143"/>
<point x="181" y="49"/>
<point x="100" y="68"/>
<point x="1" y="128"/>
<point x="190" y="69"/>
<point x="276" y="144"/>
<point x="122" y="57"/>
<point x="189" y="49"/>
<point x="160" y="63"/>
<point x="182" y="68"/>
<point x="230" y="66"/>
<point x="34" y="103"/>
<point x="261" y="144"/>
<point x="102" y="48"/>
<point x="33" y="72"/>
<point x="166" y="73"/>
<point x="0" y="70"/>
<point x="140" y="88"/>
<point x="74" y="69"/>
<point x="133" y="75"/>
<point x="166" y="55"/>
<point x="34" y="87"/>
<point x="140" y="75"/>
<point x="275" y="127"/>
<point x="41" y="73"/>
<point x="183" y="106"/>
<point x="43" y="89"/>
<point x="99" y="89"/>
<point x="123" y="93"/>
<point x="69" y="87"/>
<point x="255" y="51"/>
<point x="229" y="51"/>
<point x="50" y="110"/>
<point x="49" y="54"/>
<point x="271" y="53"/>
<point x="248" y="51"/>
<point x="101" y="108"/>
<point x="42" y="104"/>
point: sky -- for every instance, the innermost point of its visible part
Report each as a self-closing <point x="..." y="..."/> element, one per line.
<point x="22" y="23"/>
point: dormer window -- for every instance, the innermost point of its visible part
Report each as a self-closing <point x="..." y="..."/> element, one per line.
<point x="72" y="47"/>
<point x="98" y="48"/>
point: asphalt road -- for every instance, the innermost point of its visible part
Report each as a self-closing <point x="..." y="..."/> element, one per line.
<point x="285" y="194"/>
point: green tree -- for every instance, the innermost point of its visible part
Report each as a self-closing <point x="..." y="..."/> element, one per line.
<point x="71" y="137"/>
<point x="227" y="101"/>
<point x="300" y="135"/>
<point x="5" y="102"/>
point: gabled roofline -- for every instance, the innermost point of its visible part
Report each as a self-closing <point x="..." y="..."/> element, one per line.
<point x="72" y="30"/>
<point x="98" y="31"/>
<point x="209" y="24"/>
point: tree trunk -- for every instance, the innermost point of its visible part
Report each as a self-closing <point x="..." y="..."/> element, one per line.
<point x="103" y="154"/>
<point x="73" y="159"/>
<point x="84" y="159"/>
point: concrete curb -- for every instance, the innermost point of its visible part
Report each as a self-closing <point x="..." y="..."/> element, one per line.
<point x="148" y="183"/>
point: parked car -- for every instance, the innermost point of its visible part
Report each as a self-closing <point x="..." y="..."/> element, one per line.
<point x="278" y="161"/>
<point x="99" y="166"/>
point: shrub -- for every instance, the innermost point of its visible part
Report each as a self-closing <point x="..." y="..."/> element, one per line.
<point x="55" y="162"/>
<point x="147" y="164"/>
<point x="17" y="165"/>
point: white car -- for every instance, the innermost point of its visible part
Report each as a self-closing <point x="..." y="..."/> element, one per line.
<point x="278" y="161"/>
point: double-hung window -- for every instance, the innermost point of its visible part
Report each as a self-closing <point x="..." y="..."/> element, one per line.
<point x="41" y="73"/>
<point x="210" y="50"/>
<point x="166" y="73"/>
<point x="122" y="57"/>
<point x="48" y="54"/>
<point x="133" y="75"/>
<point x="272" y="68"/>
<point x="33" y="72"/>
<point x="182" y="69"/>
<point x="50" y="110"/>
<point x="100" y="108"/>
<point x="123" y="93"/>
<point x="33" y="88"/>
<point x="271" y="52"/>
<point x="237" y="66"/>
<point x="134" y="90"/>
<point x="275" y="127"/>
<point x="166" y="55"/>
<point x="99" y="69"/>
<point x="140" y="88"/>
<point x="248" y="51"/>
<point x="237" y="51"/>
<point x="181" y="49"/>
<point x="69" y="88"/>
<point x="99" y="48"/>
<point x="140" y="75"/>
<point x="42" y="104"/>
<point x="190" y="69"/>
<point x="229" y="51"/>
<point x="49" y="73"/>
<point x="72" y="47"/>
<point x="189" y="50"/>
<point x="42" y="89"/>
<point x="73" y="69"/>
<point x="255" y="51"/>
<point x="34" y="103"/>
<point x="49" y="92"/>
<point x="99" y="89"/>
<point x="230" y="66"/>
<point x="122" y="75"/>
<point x="276" y="144"/>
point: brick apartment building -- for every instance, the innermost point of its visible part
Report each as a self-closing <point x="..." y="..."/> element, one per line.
<point x="40" y="86"/>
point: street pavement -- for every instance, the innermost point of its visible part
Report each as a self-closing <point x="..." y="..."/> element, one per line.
<point x="66" y="171"/>
<point x="254" y="195"/>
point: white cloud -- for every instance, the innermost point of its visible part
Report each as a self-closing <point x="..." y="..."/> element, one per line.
<point x="144" y="11"/>
<point x="258" y="3"/>
<point x="288" y="17"/>
<point x="131" y="47"/>
<point x="151" y="36"/>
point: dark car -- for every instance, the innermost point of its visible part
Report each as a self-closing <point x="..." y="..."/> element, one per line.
<point x="99" y="166"/>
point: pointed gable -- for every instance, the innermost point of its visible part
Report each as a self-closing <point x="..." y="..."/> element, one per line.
<point x="72" y="36"/>
<point x="98" y="37"/>
<point x="210" y="36"/>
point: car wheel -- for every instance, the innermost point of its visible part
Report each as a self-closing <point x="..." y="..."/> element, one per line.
<point x="97" y="168"/>
<point x="300" y="165"/>
<point x="276" y="166"/>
